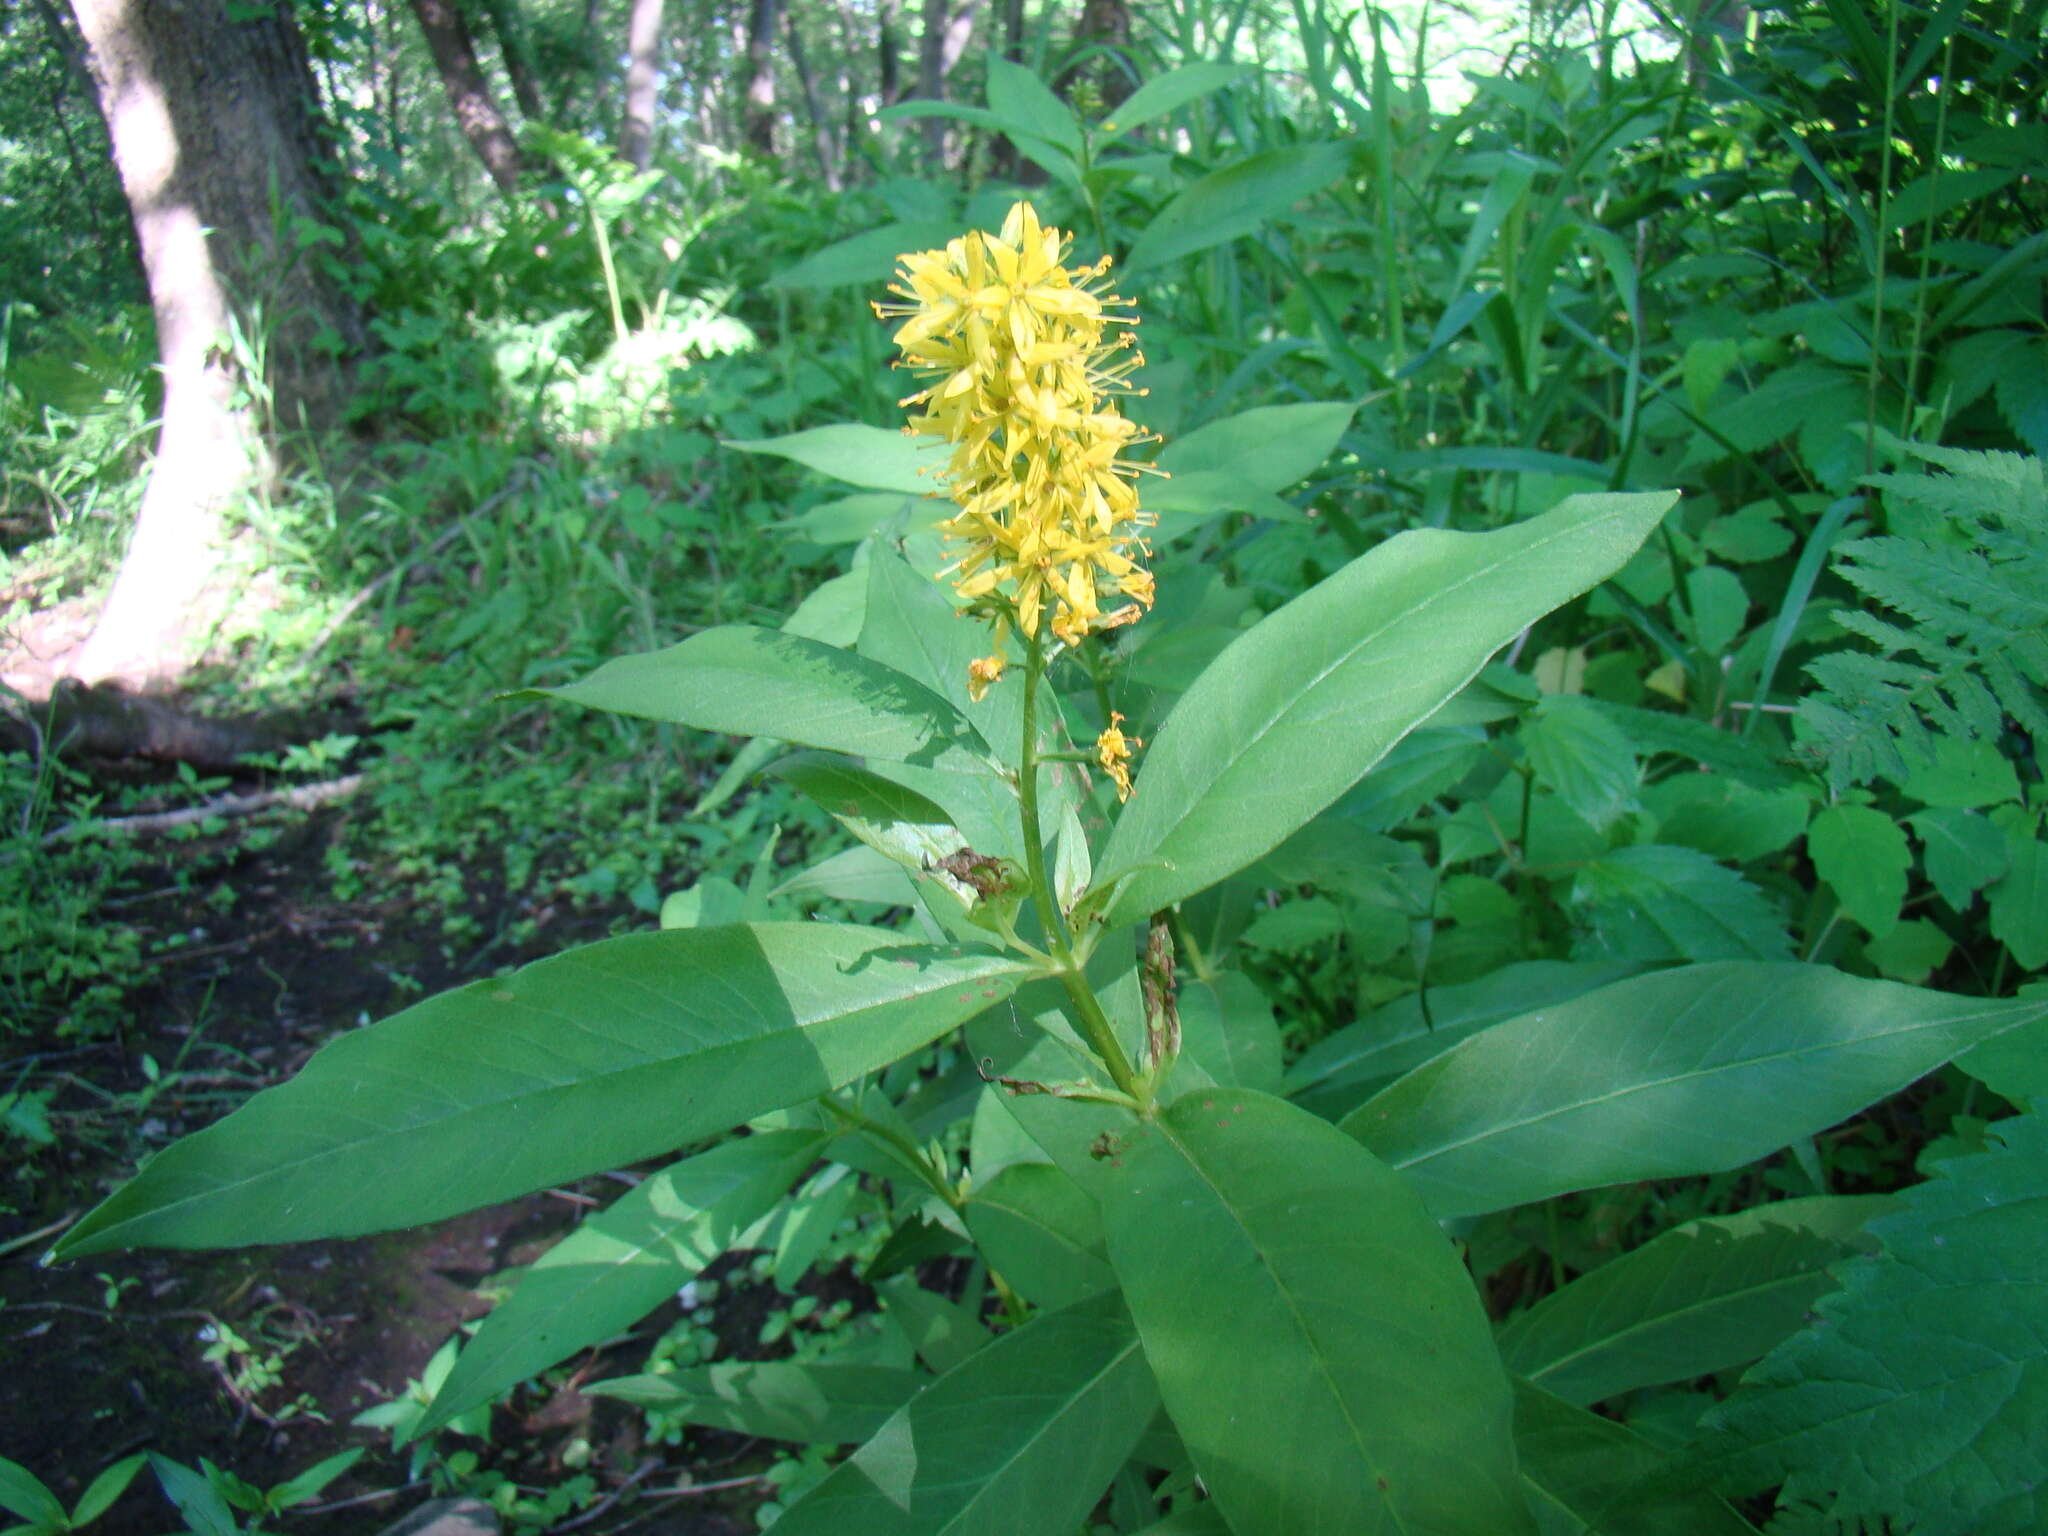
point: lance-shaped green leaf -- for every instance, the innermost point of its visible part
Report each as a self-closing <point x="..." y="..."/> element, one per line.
<point x="1919" y="1396"/>
<point x="874" y="457"/>
<point x="768" y="682"/>
<point x="603" y="1056"/>
<point x="1703" y="1297"/>
<point x="821" y="1404"/>
<point x="1170" y="92"/>
<point x="1315" y="1338"/>
<point x="1236" y="200"/>
<point x="1341" y="1070"/>
<point x="1020" y="1440"/>
<point x="1299" y="708"/>
<point x="1042" y="1233"/>
<point x="1589" y="1476"/>
<point x="1679" y="1072"/>
<point x="896" y="822"/>
<point x="623" y="1263"/>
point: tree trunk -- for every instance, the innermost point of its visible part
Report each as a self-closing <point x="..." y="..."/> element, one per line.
<point x="759" y="105"/>
<point x="643" y="61"/>
<point x="821" y="129"/>
<point x="212" y="127"/>
<point x="469" y="94"/>
<point x="889" y="53"/>
<point x="1004" y="161"/>
<point x="511" y="36"/>
<point x="1101" y="24"/>
<point x="947" y="29"/>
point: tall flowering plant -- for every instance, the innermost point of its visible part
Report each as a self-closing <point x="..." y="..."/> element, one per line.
<point x="1185" y="1287"/>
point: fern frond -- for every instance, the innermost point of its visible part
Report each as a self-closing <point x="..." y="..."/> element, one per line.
<point x="1958" y="627"/>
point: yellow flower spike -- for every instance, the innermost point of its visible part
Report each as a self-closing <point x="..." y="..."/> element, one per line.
<point x="1113" y="750"/>
<point x="1024" y="358"/>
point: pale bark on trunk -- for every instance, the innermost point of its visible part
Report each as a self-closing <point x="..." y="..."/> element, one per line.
<point x="212" y="128"/>
<point x="643" y="73"/>
<point x="759" y="103"/>
<point x="469" y="94"/>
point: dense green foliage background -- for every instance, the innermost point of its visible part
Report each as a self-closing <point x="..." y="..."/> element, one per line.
<point x="1789" y="261"/>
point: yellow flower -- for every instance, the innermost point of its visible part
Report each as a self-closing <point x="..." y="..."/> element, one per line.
<point x="983" y="673"/>
<point x="1113" y="750"/>
<point x="1025" y="358"/>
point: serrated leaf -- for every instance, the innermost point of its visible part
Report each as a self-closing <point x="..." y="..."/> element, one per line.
<point x="1963" y="852"/>
<point x="1920" y="1394"/>
<point x="1966" y="775"/>
<point x="594" y="1059"/>
<point x="1583" y="757"/>
<point x="1652" y="902"/>
<point x="1703" y="1297"/>
<point x="1680" y="1072"/>
<point x="1317" y="1342"/>
<point x="1862" y="854"/>
<point x="1024" y="1436"/>
<point x="2019" y="901"/>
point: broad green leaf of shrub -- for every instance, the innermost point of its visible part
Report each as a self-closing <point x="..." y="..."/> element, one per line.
<point x="1020" y="1439"/>
<point x="764" y="682"/>
<point x="1296" y="710"/>
<point x="873" y="458"/>
<point x="1589" y="1476"/>
<point x="1679" y="1072"/>
<point x="775" y="1399"/>
<point x="1714" y="1293"/>
<point x="1862" y="855"/>
<point x="1316" y="1339"/>
<point x="1235" y="201"/>
<point x="1652" y="902"/>
<point x="622" y="1263"/>
<point x="600" y="1057"/>
<point x="1920" y="1393"/>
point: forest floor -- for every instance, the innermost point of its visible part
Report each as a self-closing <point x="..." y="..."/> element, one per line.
<point x="110" y="1355"/>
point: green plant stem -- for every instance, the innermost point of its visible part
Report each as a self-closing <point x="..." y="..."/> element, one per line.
<point x="1087" y="1007"/>
<point x="853" y="1119"/>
